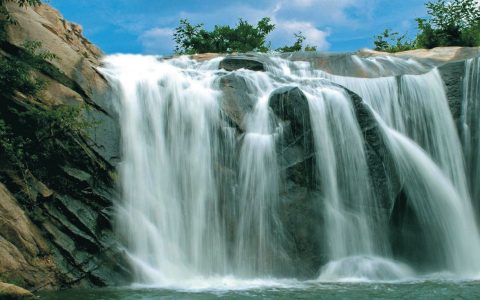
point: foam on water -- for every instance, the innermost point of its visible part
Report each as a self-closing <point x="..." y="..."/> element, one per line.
<point x="365" y="269"/>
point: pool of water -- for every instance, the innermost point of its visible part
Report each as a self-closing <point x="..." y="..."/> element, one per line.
<point x="407" y="290"/>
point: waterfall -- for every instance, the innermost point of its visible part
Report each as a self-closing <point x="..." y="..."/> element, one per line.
<point x="258" y="184"/>
<point x="170" y="214"/>
<point x="470" y="119"/>
<point x="204" y="194"/>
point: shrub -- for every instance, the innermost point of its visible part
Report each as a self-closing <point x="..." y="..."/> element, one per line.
<point x="25" y="128"/>
<point x="449" y="23"/>
<point x="455" y="23"/>
<point x="390" y="41"/>
<point x="191" y="39"/>
<point x="298" y="45"/>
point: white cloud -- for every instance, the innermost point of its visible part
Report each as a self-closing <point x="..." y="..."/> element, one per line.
<point x="303" y="3"/>
<point x="157" y="40"/>
<point x="313" y="35"/>
<point x="312" y="17"/>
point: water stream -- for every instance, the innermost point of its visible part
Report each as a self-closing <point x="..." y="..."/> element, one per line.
<point x="203" y="202"/>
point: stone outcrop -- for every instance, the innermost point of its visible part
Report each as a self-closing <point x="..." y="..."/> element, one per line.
<point x="248" y="62"/>
<point x="236" y="100"/>
<point x="12" y="292"/>
<point x="56" y="224"/>
<point x="23" y="250"/>
<point x="301" y="192"/>
<point x="73" y="76"/>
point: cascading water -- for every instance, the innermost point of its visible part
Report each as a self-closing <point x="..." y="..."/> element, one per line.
<point x="470" y="119"/>
<point x="258" y="184"/>
<point x="170" y="215"/>
<point x="186" y="220"/>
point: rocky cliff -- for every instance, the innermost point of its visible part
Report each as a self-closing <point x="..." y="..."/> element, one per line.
<point x="55" y="228"/>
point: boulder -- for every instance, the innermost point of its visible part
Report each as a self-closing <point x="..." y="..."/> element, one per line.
<point x="232" y="63"/>
<point x="290" y="105"/>
<point x="236" y="100"/>
<point x="300" y="191"/>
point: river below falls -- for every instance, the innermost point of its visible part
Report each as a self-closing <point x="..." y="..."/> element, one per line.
<point x="427" y="289"/>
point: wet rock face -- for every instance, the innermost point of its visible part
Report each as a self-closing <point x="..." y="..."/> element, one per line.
<point x="236" y="101"/>
<point x="452" y="75"/>
<point x="301" y="193"/>
<point x="290" y="105"/>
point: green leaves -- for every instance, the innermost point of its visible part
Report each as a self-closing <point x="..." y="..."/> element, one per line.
<point x="390" y="41"/>
<point x="21" y="3"/>
<point x="245" y="37"/>
<point x="453" y="23"/>
<point x="192" y="39"/>
<point x="449" y="23"/>
<point x="298" y="45"/>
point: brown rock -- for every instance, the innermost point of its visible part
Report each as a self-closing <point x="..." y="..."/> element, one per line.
<point x="77" y="58"/>
<point x="439" y="54"/>
<point x="10" y="291"/>
<point x="23" y="251"/>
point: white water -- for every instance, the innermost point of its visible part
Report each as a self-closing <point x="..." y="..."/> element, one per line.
<point x="181" y="232"/>
<point x="470" y="119"/>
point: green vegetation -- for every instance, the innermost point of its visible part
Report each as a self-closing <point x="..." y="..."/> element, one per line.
<point x="25" y="127"/>
<point x="455" y="23"/>
<point x="16" y="73"/>
<point x="38" y="139"/>
<point x="298" y="45"/>
<point x="449" y="23"/>
<point x="245" y="37"/>
<point x="6" y="18"/>
<point x="390" y="41"/>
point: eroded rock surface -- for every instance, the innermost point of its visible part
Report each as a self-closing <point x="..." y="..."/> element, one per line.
<point x="56" y="223"/>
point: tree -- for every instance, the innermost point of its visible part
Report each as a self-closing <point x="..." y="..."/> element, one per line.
<point x="298" y="45"/>
<point x="449" y="23"/>
<point x="191" y="39"/>
<point x="453" y="23"/>
<point x="390" y="41"/>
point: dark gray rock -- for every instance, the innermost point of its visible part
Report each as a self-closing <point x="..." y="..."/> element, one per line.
<point x="452" y="75"/>
<point x="296" y="151"/>
<point x="301" y="191"/>
<point x="232" y="63"/>
<point x="236" y="101"/>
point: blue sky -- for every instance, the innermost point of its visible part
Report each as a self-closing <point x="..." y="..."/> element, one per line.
<point x="146" y="26"/>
